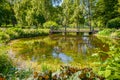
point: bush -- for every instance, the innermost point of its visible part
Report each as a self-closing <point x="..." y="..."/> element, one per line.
<point x="114" y="23"/>
<point x="106" y="32"/>
<point x="51" y="24"/>
<point x="116" y="34"/>
<point x="5" y="63"/>
<point x="4" y="37"/>
<point x="110" y="69"/>
<point x="12" y="33"/>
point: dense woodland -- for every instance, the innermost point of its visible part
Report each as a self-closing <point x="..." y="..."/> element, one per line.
<point x="70" y="13"/>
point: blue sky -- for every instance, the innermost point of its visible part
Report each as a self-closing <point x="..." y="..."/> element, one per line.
<point x="57" y="3"/>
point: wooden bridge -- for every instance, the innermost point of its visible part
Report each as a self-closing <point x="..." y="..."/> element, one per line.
<point x="74" y="31"/>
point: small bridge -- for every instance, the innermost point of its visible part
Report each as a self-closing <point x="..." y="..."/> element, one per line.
<point x="74" y="31"/>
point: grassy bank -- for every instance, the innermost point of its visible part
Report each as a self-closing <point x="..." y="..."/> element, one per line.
<point x="112" y="33"/>
<point x="7" y="34"/>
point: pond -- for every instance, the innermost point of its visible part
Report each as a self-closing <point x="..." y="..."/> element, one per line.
<point x="52" y="51"/>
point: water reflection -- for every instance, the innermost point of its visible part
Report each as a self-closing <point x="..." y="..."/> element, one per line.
<point x="59" y="49"/>
<point x="74" y="44"/>
<point x="62" y="56"/>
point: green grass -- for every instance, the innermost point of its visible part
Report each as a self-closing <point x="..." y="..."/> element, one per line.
<point x="106" y="32"/>
<point x="7" y="34"/>
<point x="114" y="33"/>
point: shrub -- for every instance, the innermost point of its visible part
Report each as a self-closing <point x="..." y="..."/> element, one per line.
<point x="106" y="32"/>
<point x="111" y="67"/>
<point x="12" y="34"/>
<point x="116" y="34"/>
<point x="5" y="63"/>
<point x="4" y="37"/>
<point x="50" y="24"/>
<point x="114" y="23"/>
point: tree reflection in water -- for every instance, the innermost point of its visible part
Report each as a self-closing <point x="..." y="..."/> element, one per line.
<point x="60" y="49"/>
<point x="62" y="56"/>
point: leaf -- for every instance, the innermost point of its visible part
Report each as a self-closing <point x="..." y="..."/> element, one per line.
<point x="35" y="74"/>
<point x="101" y="72"/>
<point x="107" y="73"/>
<point x="88" y="74"/>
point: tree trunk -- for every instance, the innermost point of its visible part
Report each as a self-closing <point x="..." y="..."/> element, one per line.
<point x="89" y="15"/>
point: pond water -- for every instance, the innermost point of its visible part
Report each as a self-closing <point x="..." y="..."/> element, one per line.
<point x="54" y="51"/>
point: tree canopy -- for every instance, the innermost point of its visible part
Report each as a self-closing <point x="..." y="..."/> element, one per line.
<point x="70" y="13"/>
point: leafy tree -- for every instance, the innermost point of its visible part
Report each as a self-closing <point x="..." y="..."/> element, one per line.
<point x="34" y="12"/>
<point x="66" y="12"/>
<point x="106" y="10"/>
<point x="21" y="8"/>
<point x="77" y="16"/>
<point x="4" y="12"/>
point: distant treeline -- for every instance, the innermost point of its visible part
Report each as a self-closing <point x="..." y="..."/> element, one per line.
<point x="70" y="13"/>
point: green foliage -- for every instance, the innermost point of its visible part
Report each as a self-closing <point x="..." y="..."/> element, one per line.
<point x="4" y="37"/>
<point x="11" y="33"/>
<point x="106" y="10"/>
<point x="22" y="74"/>
<point x="77" y="17"/>
<point x="114" y="23"/>
<point x="5" y="64"/>
<point x="7" y="15"/>
<point x="36" y="12"/>
<point x="70" y="73"/>
<point x="111" y="67"/>
<point x="51" y="24"/>
<point x="14" y="33"/>
<point x="106" y="32"/>
<point x="45" y="68"/>
<point x="116" y="34"/>
<point x="113" y="33"/>
<point x="7" y="68"/>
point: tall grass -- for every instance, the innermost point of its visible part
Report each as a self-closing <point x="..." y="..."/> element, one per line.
<point x="114" y="33"/>
<point x="7" y="34"/>
<point x="106" y="32"/>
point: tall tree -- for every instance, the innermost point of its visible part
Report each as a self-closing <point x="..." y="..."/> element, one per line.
<point x="6" y="13"/>
<point x="66" y="12"/>
<point x="34" y="12"/>
<point x="106" y="10"/>
<point x="77" y="16"/>
<point x="21" y="8"/>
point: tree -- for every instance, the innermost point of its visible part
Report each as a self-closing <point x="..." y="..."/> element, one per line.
<point x="34" y="12"/>
<point x="21" y="8"/>
<point x="6" y="13"/>
<point x="106" y="10"/>
<point x="77" y="17"/>
<point x="66" y="12"/>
